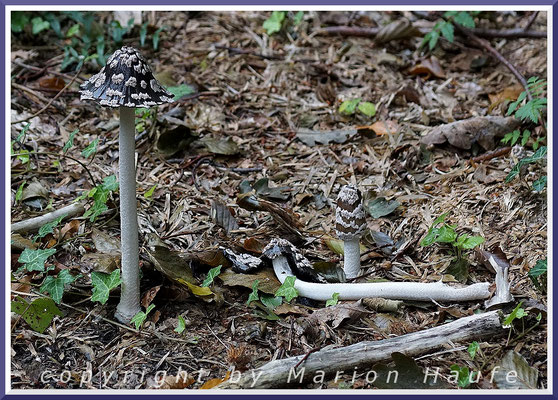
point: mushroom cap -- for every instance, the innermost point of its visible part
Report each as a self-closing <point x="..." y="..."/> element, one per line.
<point x="125" y="81"/>
<point x="350" y="218"/>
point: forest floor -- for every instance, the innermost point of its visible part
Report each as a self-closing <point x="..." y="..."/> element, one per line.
<point x="253" y="96"/>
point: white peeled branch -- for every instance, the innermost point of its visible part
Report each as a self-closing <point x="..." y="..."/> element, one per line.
<point x="436" y="291"/>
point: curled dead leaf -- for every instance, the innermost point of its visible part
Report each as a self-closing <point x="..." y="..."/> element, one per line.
<point x="429" y="67"/>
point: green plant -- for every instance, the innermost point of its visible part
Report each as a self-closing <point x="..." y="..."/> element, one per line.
<point x="333" y="301"/>
<point x="529" y="108"/>
<point x="181" y="325"/>
<point x="287" y="289"/>
<point x="444" y="233"/>
<point x="349" y="107"/>
<point x="141" y="316"/>
<point x="211" y="275"/>
<point x="445" y="28"/>
<point x="538" y="274"/>
<point x="277" y="20"/>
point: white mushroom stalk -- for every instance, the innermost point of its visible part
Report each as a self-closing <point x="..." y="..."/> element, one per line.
<point x="277" y="250"/>
<point x="350" y="223"/>
<point x="127" y="82"/>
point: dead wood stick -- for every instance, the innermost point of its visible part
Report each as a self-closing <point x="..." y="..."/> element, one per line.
<point x="484" y="44"/>
<point x="51" y="100"/>
<point x="492" y="154"/>
<point x="532" y="19"/>
<point x="33" y="224"/>
<point x="486" y="33"/>
<point x="281" y="373"/>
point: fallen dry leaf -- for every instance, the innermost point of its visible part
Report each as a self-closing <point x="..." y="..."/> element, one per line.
<point x="429" y="67"/>
<point x="510" y="93"/>
<point x="388" y="127"/>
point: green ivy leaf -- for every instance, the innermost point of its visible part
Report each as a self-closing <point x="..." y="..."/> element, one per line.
<point x="298" y="17"/>
<point x="39" y="314"/>
<point x="213" y="272"/>
<point x="274" y="22"/>
<point x="141" y="316"/>
<point x="271" y="302"/>
<point x="472" y="241"/>
<point x="181" y="325"/>
<point x="333" y="301"/>
<point x="447" y="31"/>
<point x="34" y="260"/>
<point x="54" y="286"/>
<point x="48" y="227"/>
<point x="472" y="349"/>
<point x="287" y="289"/>
<point x="181" y="91"/>
<point x="465" y="19"/>
<point x="539" y="269"/>
<point x="462" y="374"/>
<point x="91" y="149"/>
<point x="19" y="192"/>
<point x="348" y="107"/>
<point x="103" y="284"/>
<point x="70" y="141"/>
<point x="254" y="295"/>
<point x="433" y="40"/>
<point x="517" y="313"/>
<point x="149" y="193"/>
<point x="39" y="25"/>
<point x="367" y="108"/>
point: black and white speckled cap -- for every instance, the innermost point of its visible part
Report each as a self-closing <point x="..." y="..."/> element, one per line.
<point x="350" y="218"/>
<point x="125" y="81"/>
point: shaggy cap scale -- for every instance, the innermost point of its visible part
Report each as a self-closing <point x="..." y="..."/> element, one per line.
<point x="125" y="81"/>
<point x="350" y="219"/>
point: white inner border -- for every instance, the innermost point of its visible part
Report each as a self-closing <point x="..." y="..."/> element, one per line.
<point x="7" y="199"/>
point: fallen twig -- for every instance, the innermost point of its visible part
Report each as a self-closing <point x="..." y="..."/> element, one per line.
<point x="492" y="154"/>
<point x="51" y="100"/>
<point x="357" y="357"/>
<point x="33" y="224"/>
<point x="482" y="43"/>
<point x="486" y="33"/>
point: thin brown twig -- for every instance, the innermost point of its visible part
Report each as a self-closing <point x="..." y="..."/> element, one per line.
<point x="237" y="50"/>
<point x="484" y="44"/>
<point x="486" y="33"/>
<point x="531" y="20"/>
<point x="492" y="154"/>
<point x="51" y="100"/>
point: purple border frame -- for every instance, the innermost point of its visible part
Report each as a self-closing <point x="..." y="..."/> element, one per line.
<point x="4" y="3"/>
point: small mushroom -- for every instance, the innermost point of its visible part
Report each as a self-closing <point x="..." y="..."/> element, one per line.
<point x="283" y="253"/>
<point x="127" y="82"/>
<point x="350" y="223"/>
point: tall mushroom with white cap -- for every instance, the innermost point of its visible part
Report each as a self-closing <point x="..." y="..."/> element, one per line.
<point x="350" y="223"/>
<point x="127" y="82"/>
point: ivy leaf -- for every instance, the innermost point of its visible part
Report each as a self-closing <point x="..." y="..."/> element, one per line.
<point x="287" y="289"/>
<point x="181" y="325"/>
<point x="149" y="193"/>
<point x="213" y="272"/>
<point x="254" y="295"/>
<point x="39" y="25"/>
<point x="48" y="228"/>
<point x="55" y="286"/>
<point x="517" y="313"/>
<point x="34" y="260"/>
<point x="39" y="314"/>
<point x="472" y="241"/>
<point x="141" y="316"/>
<point x="472" y="349"/>
<point x="367" y="108"/>
<point x="447" y="31"/>
<point x="270" y="301"/>
<point x="348" y="107"/>
<point x="465" y="19"/>
<point x="91" y="149"/>
<point x="274" y="22"/>
<point x="103" y="284"/>
<point x="539" y="269"/>
<point x="462" y="375"/>
<point x="181" y="91"/>
<point x="333" y="301"/>
<point x="70" y="141"/>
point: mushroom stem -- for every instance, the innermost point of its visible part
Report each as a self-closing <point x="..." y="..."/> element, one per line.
<point x="436" y="291"/>
<point x="351" y="258"/>
<point x="130" y="291"/>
